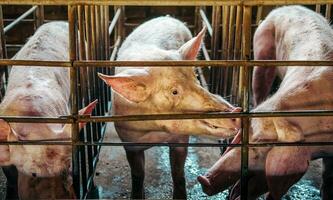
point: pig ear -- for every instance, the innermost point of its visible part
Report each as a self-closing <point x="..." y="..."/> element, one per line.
<point x="5" y="130"/>
<point x="284" y="167"/>
<point x="66" y="131"/>
<point x="133" y="87"/>
<point x="87" y="111"/>
<point x="190" y="49"/>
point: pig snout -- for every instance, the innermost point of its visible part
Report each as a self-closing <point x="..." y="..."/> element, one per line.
<point x="218" y="104"/>
<point x="224" y="173"/>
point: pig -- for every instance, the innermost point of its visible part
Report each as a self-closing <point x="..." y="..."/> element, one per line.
<point x="40" y="92"/>
<point x="287" y="33"/>
<point x="153" y="90"/>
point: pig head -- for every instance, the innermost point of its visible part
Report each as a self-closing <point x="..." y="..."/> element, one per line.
<point x="288" y="33"/>
<point x="155" y="90"/>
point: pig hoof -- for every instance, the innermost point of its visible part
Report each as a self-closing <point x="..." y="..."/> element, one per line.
<point x="206" y="186"/>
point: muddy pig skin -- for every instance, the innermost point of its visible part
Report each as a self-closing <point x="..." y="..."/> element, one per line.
<point x="288" y="33"/>
<point x="155" y="90"/>
<point x="40" y="92"/>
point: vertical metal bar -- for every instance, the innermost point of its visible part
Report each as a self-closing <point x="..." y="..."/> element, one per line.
<point x="106" y="25"/>
<point x="237" y="52"/>
<point x="82" y="95"/>
<point x="39" y="16"/>
<point x="215" y="45"/>
<point x="259" y="14"/>
<point x="73" y="98"/>
<point x="3" y="55"/>
<point x="244" y="83"/>
<point x="231" y="39"/>
<point x="328" y="11"/>
<point x="197" y="24"/>
<point x="225" y="30"/>
<point x="318" y="8"/>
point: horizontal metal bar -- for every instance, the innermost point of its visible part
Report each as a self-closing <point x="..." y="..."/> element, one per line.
<point x="28" y="119"/>
<point x="164" y="3"/>
<point x="163" y="63"/>
<point x="202" y="116"/>
<point x="202" y="63"/>
<point x="147" y="117"/>
<point x="19" y="19"/>
<point x="24" y="63"/>
<point x="172" y="144"/>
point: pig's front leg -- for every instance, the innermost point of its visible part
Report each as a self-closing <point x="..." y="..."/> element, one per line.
<point x="136" y="160"/>
<point x="11" y="175"/>
<point x="327" y="185"/>
<point x="177" y="162"/>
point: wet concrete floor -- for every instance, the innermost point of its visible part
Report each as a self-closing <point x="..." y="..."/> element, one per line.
<point x="113" y="173"/>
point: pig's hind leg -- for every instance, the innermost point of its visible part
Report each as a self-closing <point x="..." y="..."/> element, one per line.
<point x="177" y="162"/>
<point x="136" y="160"/>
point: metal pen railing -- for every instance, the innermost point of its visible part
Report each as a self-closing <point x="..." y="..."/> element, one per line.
<point x="83" y="58"/>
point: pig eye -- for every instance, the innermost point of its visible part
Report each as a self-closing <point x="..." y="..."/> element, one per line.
<point x="174" y="91"/>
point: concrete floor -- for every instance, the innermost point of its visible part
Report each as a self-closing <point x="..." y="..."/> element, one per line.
<point x="113" y="173"/>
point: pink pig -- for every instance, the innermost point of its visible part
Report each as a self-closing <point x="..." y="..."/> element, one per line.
<point x="43" y="92"/>
<point x="153" y="90"/>
<point x="288" y="33"/>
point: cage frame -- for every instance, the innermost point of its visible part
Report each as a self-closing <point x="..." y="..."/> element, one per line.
<point x="245" y="67"/>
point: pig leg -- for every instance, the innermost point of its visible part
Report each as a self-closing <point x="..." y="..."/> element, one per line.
<point x="136" y="160"/>
<point x="11" y="175"/>
<point x="284" y="167"/>
<point x="327" y="185"/>
<point x="177" y="162"/>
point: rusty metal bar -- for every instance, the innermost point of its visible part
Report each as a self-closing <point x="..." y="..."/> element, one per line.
<point x="39" y="14"/>
<point x="244" y="94"/>
<point x="223" y="82"/>
<point x="171" y="144"/>
<point x="213" y="115"/>
<point x="73" y="98"/>
<point x="4" y="62"/>
<point x="259" y="14"/>
<point x="217" y="63"/>
<point x="19" y="19"/>
<point x="114" y="20"/>
<point x="163" y="63"/>
<point x="165" y="3"/>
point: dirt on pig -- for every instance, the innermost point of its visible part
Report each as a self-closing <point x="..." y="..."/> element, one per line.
<point x="114" y="180"/>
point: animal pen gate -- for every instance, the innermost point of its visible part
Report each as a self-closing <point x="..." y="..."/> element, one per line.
<point x="225" y="70"/>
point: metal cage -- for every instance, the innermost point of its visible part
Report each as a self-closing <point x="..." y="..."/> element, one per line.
<point x="228" y="54"/>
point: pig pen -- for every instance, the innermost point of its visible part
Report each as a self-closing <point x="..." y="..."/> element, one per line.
<point x="224" y="68"/>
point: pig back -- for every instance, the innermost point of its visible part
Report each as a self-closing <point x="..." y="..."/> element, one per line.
<point x="40" y="90"/>
<point x="162" y="33"/>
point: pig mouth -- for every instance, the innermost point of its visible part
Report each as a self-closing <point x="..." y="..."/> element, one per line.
<point x="219" y="130"/>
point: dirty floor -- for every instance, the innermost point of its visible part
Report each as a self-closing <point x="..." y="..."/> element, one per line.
<point x="113" y="175"/>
